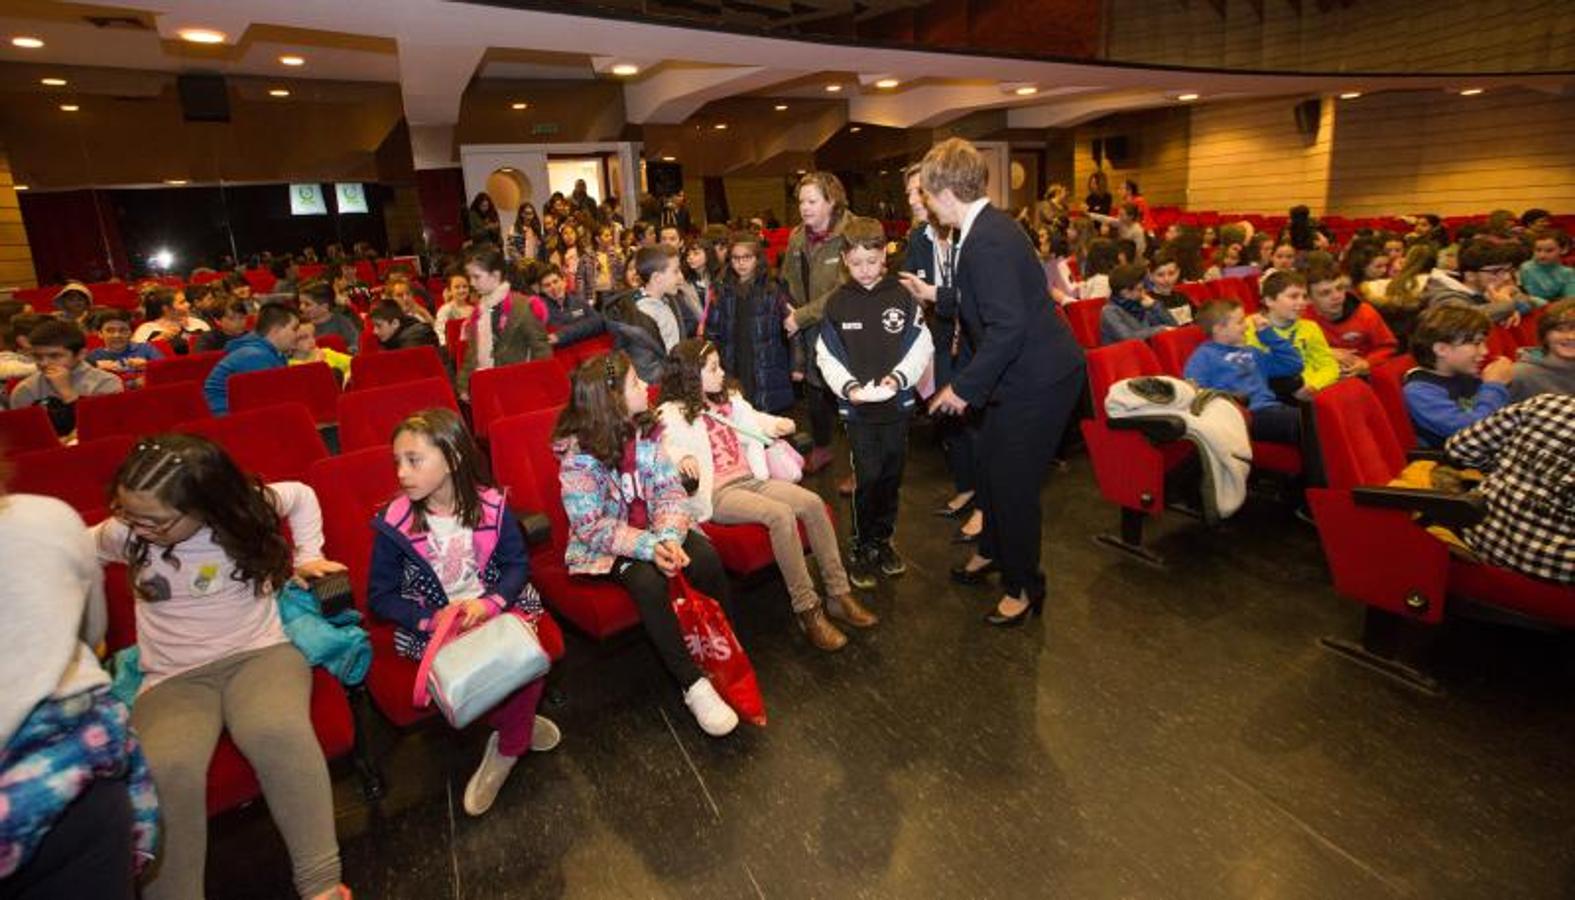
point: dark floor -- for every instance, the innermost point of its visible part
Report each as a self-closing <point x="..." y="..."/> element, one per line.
<point x="1172" y="733"/>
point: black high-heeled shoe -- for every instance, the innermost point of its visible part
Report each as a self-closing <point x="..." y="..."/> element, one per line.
<point x="947" y="511"/>
<point x="1035" y="607"/>
<point x="963" y="575"/>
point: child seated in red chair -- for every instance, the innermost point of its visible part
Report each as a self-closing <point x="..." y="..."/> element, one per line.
<point x="1444" y="393"/>
<point x="1355" y="332"/>
<point x="1226" y="362"/>
<point x="306" y="351"/>
<point x="451" y="540"/>
<point x="1549" y="367"/>
<point x="1284" y="301"/>
<point x="63" y="375"/>
<point x="121" y="356"/>
<point x="207" y="556"/>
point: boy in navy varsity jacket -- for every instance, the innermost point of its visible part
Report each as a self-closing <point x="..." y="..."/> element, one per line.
<point x="872" y="351"/>
<point x="1444" y="394"/>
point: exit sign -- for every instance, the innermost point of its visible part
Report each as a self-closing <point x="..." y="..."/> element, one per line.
<point x="544" y="128"/>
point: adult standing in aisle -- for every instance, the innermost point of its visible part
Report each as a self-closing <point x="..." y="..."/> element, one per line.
<point x="812" y="268"/>
<point x="1026" y="373"/>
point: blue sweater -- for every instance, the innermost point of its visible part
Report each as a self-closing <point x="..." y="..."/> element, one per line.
<point x="1440" y="405"/>
<point x="248" y="353"/>
<point x="1125" y="319"/>
<point x="132" y="351"/>
<point x="1244" y="369"/>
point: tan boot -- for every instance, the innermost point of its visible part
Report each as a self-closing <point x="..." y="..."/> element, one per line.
<point x="846" y="609"/>
<point x="820" y="631"/>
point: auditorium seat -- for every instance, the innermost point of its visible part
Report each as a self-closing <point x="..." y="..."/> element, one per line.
<point x="351" y="488"/>
<point x="1381" y="557"/>
<point x="1084" y="318"/>
<point x="1243" y="290"/>
<point x="26" y="430"/>
<point x="278" y="443"/>
<point x="313" y="385"/>
<point x="571" y="356"/>
<point x="523" y="463"/>
<point x="1503" y="341"/>
<point x="1526" y="331"/>
<point x="1387" y="379"/>
<point x="141" y="412"/>
<point x="1197" y="292"/>
<point x="79" y="475"/>
<point x="454" y="340"/>
<point x="395" y="366"/>
<point x="515" y="389"/>
<point x="1172" y="348"/>
<point x="333" y="342"/>
<point x="367" y="418"/>
<point x="173" y="369"/>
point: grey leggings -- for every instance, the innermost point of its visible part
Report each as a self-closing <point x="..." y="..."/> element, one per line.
<point x="263" y="697"/>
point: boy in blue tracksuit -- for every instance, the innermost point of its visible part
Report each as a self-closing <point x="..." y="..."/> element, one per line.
<point x="1226" y="362"/>
<point x="264" y="348"/>
<point x="1444" y="394"/>
<point x="872" y="351"/>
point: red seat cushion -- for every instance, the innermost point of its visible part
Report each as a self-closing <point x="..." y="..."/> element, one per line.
<point x="231" y="780"/>
<point x="1283" y="458"/>
<point x="1511" y="590"/>
<point x="596" y="606"/>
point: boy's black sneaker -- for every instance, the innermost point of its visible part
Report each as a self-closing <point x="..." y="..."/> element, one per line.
<point x="862" y="566"/>
<point x="891" y="565"/>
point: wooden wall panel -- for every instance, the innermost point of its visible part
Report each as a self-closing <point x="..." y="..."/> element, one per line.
<point x="1159" y="161"/>
<point x="1250" y="157"/>
<point x="16" y="258"/>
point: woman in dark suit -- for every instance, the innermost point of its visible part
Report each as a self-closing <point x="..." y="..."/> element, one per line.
<point x="1026" y="373"/>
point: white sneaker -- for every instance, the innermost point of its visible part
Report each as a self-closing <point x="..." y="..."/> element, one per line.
<point x="716" y="718"/>
<point x="488" y="780"/>
<point x="544" y="735"/>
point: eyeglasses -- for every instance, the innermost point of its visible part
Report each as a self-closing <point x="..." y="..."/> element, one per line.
<point x="157" y="527"/>
<point x="745" y="258"/>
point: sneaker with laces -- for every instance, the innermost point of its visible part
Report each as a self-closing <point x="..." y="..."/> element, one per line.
<point x="544" y="735"/>
<point x="861" y="565"/>
<point x="488" y="779"/>
<point x="713" y="714"/>
<point x="891" y="565"/>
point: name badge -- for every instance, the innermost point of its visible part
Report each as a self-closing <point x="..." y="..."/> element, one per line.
<point x="852" y="326"/>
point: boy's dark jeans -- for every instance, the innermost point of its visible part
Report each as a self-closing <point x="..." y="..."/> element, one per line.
<point x="880" y="450"/>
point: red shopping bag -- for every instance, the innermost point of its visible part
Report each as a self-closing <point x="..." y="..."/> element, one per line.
<point x="716" y="650"/>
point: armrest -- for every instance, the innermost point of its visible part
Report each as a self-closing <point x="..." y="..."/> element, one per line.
<point x="1416" y="454"/>
<point x="1435" y="507"/>
<point x="535" y="527"/>
<point x="332" y="593"/>
<point x="1158" y="429"/>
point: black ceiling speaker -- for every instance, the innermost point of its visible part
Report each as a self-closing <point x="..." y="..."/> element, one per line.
<point x="1308" y="114"/>
<point x="203" y="98"/>
<point x="664" y="179"/>
<point x="1118" y="150"/>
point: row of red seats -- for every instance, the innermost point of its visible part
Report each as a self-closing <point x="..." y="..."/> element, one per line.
<point x="1083" y="315"/>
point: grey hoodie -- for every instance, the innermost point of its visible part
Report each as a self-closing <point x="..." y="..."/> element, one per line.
<point x="1538" y="373"/>
<point x="1444" y="289"/>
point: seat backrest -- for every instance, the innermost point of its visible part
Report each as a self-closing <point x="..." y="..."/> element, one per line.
<point x="1110" y="364"/>
<point x="1388" y="380"/>
<point x="512" y="390"/>
<point x="1354" y="436"/>
<point x="26" y="430"/>
<point x="378" y="370"/>
<point x="191" y="367"/>
<point x="1503" y="341"/>
<point x="1174" y="347"/>
<point x="1244" y="290"/>
<point x="333" y="342"/>
<point x="523" y="464"/>
<point x="1197" y="292"/>
<point x="278" y="442"/>
<point x="366" y="418"/>
<point x="146" y="411"/>
<point x="1084" y="317"/>
<point x="80" y="475"/>
<point x="313" y="385"/>
<point x="574" y="354"/>
<point x="350" y="488"/>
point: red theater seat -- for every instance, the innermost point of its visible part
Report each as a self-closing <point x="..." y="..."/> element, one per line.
<point x="279" y="442"/>
<point x="1387" y="379"/>
<point x="313" y="385"/>
<point x="1174" y="347"/>
<point x="1197" y="292"/>
<point x="367" y="418"/>
<point x="1242" y="290"/>
<point x="1381" y="557"/>
<point x="333" y="342"/>
<point x="80" y="475"/>
<point x="512" y="390"/>
<point x="26" y="430"/>
<point x="351" y="488"/>
<point x="571" y="356"/>
<point x="136" y="413"/>
<point x="174" y="369"/>
<point x="1084" y="318"/>
<point x="395" y="366"/>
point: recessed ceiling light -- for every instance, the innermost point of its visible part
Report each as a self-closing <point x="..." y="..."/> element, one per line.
<point x="292" y="60"/>
<point x="833" y="88"/>
<point x="519" y="106"/>
<point x="1186" y="98"/>
<point x="174" y="182"/>
<point x="1026" y="90"/>
<point x="781" y="107"/>
<point x="1350" y="95"/>
<point x="887" y="84"/>
<point x="1470" y="92"/>
<point x="53" y="82"/>
<point x="27" y="43"/>
<point x="278" y="92"/>
<point x="69" y="107"/>
<point x="506" y="169"/>
<point x="626" y="69"/>
<point x="856" y="129"/>
<point x="669" y="159"/>
<point x="19" y="187"/>
<point x="720" y="126"/>
<point x="201" y="35"/>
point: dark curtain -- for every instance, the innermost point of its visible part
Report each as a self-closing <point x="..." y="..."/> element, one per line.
<point x="715" y="200"/>
<point x="442" y="193"/>
<point x="73" y="234"/>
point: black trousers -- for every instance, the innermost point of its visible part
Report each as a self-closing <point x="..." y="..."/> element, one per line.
<point x="1018" y="440"/>
<point x="958" y="436"/>
<point x="822" y="413"/>
<point x="1277" y="424"/>
<point x="87" y="854"/>
<point x="880" y="450"/>
<point x="647" y="586"/>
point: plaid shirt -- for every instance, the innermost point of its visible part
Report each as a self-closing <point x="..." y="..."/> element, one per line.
<point x="1528" y="453"/>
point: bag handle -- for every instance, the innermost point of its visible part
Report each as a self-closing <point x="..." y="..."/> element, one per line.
<point x="677" y="587"/>
<point x="444" y="624"/>
<point x="746" y="432"/>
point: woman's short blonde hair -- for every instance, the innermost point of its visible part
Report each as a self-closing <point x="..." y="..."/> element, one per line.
<point x="829" y="186"/>
<point x="956" y="164"/>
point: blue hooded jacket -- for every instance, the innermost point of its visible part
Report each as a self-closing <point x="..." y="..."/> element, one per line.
<point x="1244" y="370"/>
<point x="248" y="353"/>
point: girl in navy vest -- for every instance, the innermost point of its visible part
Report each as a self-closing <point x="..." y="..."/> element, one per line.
<point x="449" y="539"/>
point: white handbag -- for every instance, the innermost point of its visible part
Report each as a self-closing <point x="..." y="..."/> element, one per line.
<point x="468" y="674"/>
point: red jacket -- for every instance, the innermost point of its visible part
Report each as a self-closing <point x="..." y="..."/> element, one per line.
<point x="1359" y="328"/>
